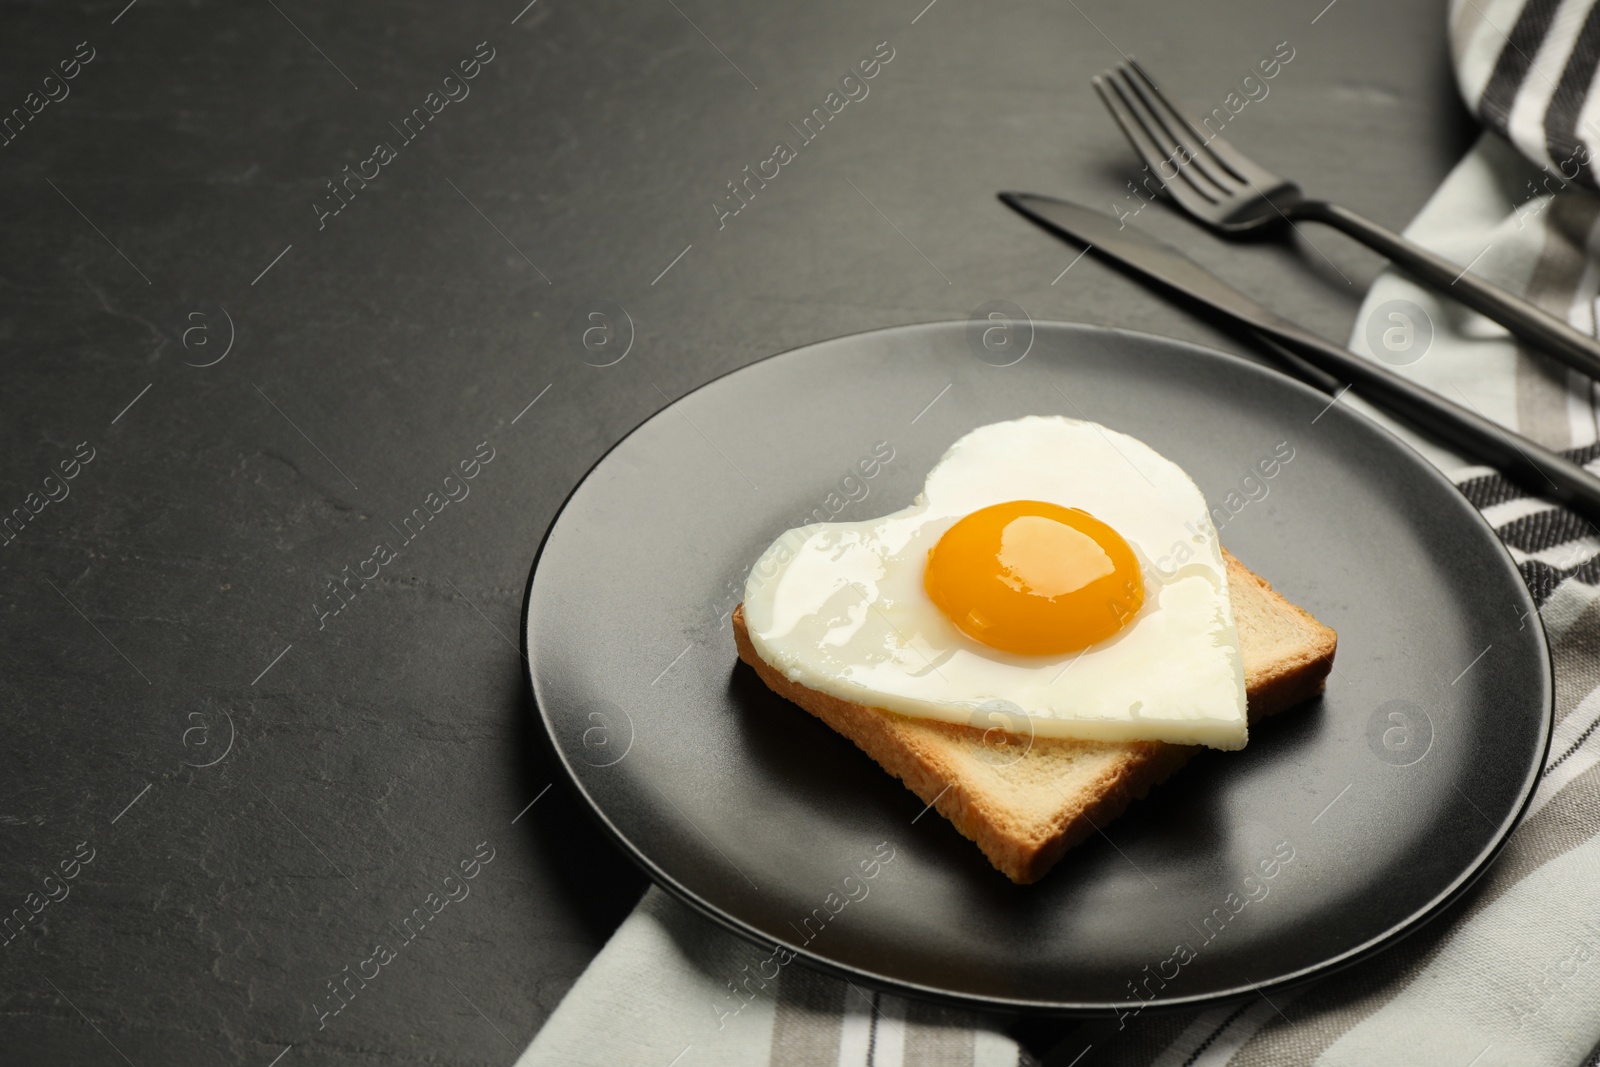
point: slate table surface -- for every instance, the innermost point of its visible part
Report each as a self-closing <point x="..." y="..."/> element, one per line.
<point x="268" y="388"/>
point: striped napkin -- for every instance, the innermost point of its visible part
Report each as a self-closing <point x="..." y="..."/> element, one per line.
<point x="662" y="994"/>
<point x="1511" y="976"/>
<point x="1526" y="67"/>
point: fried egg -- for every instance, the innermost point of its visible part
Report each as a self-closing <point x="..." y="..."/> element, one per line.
<point x="1054" y="565"/>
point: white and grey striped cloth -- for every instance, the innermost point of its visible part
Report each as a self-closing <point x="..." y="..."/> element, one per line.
<point x="658" y="996"/>
<point x="1512" y="975"/>
<point x="1527" y="68"/>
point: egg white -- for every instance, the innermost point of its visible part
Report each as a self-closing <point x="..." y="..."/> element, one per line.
<point x="841" y="607"/>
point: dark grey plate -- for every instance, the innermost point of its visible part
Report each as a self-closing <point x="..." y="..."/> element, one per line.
<point x="1391" y="793"/>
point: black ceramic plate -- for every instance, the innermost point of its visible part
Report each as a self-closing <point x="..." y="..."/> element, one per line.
<point x="1344" y="823"/>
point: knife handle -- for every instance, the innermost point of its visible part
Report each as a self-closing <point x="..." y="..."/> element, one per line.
<point x="1536" y="468"/>
<point x="1540" y="329"/>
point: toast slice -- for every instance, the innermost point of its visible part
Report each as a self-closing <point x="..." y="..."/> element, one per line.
<point x="1026" y="814"/>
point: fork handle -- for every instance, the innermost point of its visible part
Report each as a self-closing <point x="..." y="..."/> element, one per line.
<point x="1532" y="324"/>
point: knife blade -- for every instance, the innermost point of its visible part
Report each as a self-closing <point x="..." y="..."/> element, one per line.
<point x="1534" y="467"/>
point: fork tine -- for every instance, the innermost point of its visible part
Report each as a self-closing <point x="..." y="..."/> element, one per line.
<point x="1146" y="148"/>
<point x="1186" y="180"/>
<point x="1240" y="166"/>
<point x="1179" y="130"/>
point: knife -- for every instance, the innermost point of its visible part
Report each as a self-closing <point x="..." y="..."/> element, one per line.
<point x="1534" y="467"/>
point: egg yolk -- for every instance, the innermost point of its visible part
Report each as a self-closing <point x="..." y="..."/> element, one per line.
<point x="1034" y="578"/>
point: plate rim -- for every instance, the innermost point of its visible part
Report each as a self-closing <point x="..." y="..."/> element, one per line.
<point x="1396" y="933"/>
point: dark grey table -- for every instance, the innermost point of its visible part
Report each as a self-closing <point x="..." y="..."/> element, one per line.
<point x="275" y="743"/>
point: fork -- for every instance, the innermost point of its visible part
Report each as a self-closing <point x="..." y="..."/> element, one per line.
<point x="1216" y="184"/>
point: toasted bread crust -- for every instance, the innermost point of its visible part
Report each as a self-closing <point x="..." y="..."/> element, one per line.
<point x="1026" y="812"/>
